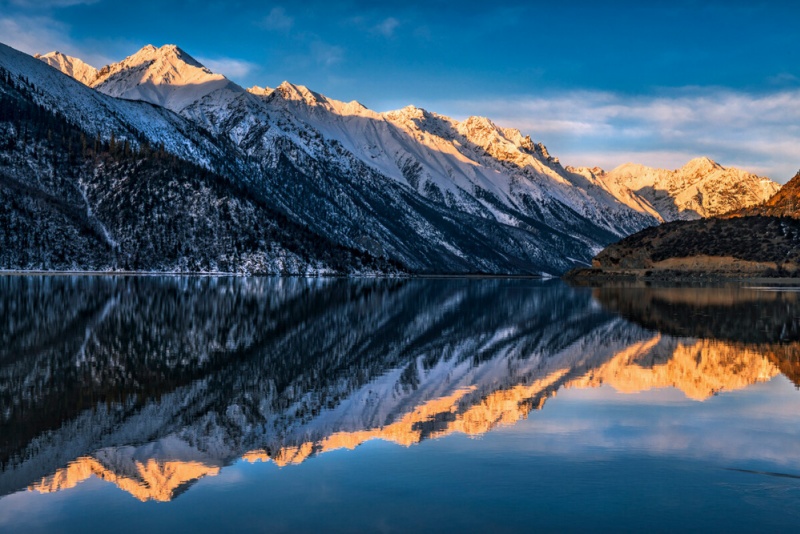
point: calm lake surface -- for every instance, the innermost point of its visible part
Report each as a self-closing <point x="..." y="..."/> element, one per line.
<point x="150" y="404"/>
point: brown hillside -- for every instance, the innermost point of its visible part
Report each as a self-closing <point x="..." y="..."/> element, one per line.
<point x="759" y="241"/>
<point x="784" y="203"/>
<point x="744" y="243"/>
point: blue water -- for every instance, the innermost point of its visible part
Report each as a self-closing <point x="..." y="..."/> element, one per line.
<point x="716" y="450"/>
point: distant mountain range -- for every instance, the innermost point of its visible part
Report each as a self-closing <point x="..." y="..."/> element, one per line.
<point x="759" y="241"/>
<point x="309" y="185"/>
<point x="701" y="188"/>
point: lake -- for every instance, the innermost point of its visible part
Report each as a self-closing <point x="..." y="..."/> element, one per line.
<point x="170" y="404"/>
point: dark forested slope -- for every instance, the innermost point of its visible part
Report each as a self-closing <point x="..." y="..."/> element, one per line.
<point x="70" y="202"/>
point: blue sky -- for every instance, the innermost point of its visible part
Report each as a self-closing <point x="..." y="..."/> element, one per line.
<point x="600" y="83"/>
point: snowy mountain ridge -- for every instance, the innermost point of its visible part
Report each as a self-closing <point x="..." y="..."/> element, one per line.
<point x="430" y="192"/>
<point x="442" y="158"/>
<point x="257" y="121"/>
<point x="331" y="208"/>
<point x="701" y="188"/>
<point x="473" y="165"/>
<point x="70" y="66"/>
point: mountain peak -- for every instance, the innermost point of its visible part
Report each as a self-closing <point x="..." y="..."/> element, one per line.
<point x="702" y="163"/>
<point x="410" y="112"/>
<point x="168" y="52"/>
<point x="301" y="93"/>
<point x="53" y="54"/>
<point x="260" y="91"/>
<point x="479" y="122"/>
<point x="71" y="66"/>
<point x="165" y="76"/>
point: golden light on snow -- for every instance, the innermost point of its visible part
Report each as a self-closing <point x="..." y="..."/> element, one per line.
<point x="697" y="368"/>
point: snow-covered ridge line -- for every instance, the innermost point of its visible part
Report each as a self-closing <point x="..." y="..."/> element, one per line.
<point x="102" y="116"/>
<point x="478" y="197"/>
<point x="701" y="188"/>
<point x="473" y="166"/>
<point x="434" y="158"/>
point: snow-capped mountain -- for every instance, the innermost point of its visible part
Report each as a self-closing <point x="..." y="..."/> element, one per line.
<point x="473" y="165"/>
<point x="349" y="209"/>
<point x="71" y="66"/>
<point x="701" y="188"/>
<point x="316" y="182"/>
<point x="166" y="76"/>
<point x="500" y="172"/>
<point x="429" y="192"/>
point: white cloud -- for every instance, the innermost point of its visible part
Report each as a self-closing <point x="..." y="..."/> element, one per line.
<point x="230" y="67"/>
<point x="326" y="54"/>
<point x="759" y="132"/>
<point x="784" y="78"/>
<point x="386" y="27"/>
<point x="277" y="19"/>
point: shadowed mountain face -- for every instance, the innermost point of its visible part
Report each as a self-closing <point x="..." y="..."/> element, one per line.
<point x="153" y="383"/>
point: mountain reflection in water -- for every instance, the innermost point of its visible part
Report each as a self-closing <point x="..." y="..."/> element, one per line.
<point x="153" y="383"/>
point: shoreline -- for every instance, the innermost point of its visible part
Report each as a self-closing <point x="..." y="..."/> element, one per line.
<point x="276" y="275"/>
<point x="598" y="276"/>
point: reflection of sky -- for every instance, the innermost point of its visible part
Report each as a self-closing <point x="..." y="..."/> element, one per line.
<point x="759" y="424"/>
<point x="590" y="458"/>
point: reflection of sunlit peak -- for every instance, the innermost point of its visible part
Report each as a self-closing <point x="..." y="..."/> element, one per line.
<point x="254" y="456"/>
<point x="406" y="431"/>
<point x="293" y="455"/>
<point x="504" y="407"/>
<point x="149" y="480"/>
<point x="432" y="419"/>
<point x="699" y="368"/>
